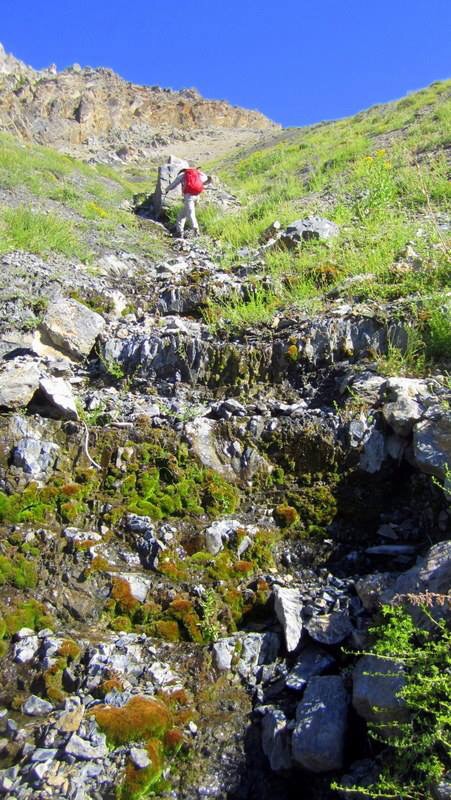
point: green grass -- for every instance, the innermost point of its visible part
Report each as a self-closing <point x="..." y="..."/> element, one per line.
<point x="93" y="193"/>
<point x="384" y="193"/>
<point x="23" y="229"/>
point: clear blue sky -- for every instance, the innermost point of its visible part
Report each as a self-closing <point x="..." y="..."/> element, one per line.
<point x="298" y="61"/>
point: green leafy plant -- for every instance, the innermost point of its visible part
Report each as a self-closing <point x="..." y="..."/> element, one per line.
<point x="416" y="754"/>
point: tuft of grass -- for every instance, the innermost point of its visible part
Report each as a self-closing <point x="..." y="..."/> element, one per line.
<point x="23" y="229"/>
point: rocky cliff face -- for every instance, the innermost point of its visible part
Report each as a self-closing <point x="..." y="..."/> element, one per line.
<point x="85" y="110"/>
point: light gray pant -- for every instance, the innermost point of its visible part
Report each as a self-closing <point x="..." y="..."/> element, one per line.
<point x="188" y="213"/>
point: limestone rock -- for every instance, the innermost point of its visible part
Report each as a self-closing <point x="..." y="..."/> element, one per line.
<point x="309" y="228"/>
<point x="329" y="628"/>
<point x="84" y="750"/>
<point x="166" y="174"/>
<point x="321" y="722"/>
<point x="375" y="684"/>
<point x="432" y="444"/>
<point x="312" y="661"/>
<point x="19" y="381"/>
<point x="35" y="457"/>
<point x="36" y="707"/>
<point x="72" y="327"/>
<point x="288" y="607"/>
<point x="58" y="393"/>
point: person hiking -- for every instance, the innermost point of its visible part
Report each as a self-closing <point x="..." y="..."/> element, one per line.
<point x="193" y="182"/>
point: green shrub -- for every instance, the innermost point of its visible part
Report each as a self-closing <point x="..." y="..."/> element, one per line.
<point x="417" y="756"/>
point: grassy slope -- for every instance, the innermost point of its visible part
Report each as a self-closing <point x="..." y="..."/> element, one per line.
<point x="55" y="203"/>
<point x="381" y="175"/>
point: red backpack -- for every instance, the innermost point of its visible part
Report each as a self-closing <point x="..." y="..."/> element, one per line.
<point x="192" y="182"/>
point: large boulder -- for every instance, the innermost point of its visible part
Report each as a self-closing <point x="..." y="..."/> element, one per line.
<point x="376" y="683"/>
<point x="72" y="327"/>
<point x="329" y="629"/>
<point x="310" y="228"/>
<point x="166" y="174"/>
<point x="19" y="380"/>
<point x="311" y="662"/>
<point x="431" y="575"/>
<point x="404" y="406"/>
<point x="432" y="443"/>
<point x="321" y="722"/>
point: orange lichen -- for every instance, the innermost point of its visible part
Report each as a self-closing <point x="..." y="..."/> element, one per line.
<point x="140" y="718"/>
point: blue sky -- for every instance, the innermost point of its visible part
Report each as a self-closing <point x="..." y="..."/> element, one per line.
<point x="298" y="61"/>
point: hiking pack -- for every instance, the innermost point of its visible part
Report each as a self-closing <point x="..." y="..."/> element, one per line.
<point x="192" y="182"/>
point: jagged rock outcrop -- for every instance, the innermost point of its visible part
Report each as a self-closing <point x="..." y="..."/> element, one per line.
<point x="100" y="111"/>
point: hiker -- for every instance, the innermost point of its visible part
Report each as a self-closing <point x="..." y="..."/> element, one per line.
<point x="193" y="182"/>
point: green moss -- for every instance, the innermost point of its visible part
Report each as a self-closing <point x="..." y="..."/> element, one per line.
<point x="21" y="572"/>
<point x="29" y="614"/>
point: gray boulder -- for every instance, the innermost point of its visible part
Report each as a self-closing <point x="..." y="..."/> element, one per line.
<point x="403" y="406"/>
<point x="310" y="228"/>
<point x="36" y="707"/>
<point x="432" y="443"/>
<point x="312" y="661"/>
<point x="321" y="722"/>
<point x="19" y="380"/>
<point x="72" y="327"/>
<point x="329" y="628"/>
<point x="376" y="682"/>
<point x="58" y="394"/>
<point x="166" y="174"/>
<point x="35" y="457"/>
<point x="85" y="751"/>
<point x="431" y="574"/>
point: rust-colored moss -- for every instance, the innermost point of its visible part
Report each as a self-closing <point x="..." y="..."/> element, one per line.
<point x="71" y="490"/>
<point x="69" y="649"/>
<point x="99" y="564"/>
<point x="285" y="515"/>
<point x="53" y="681"/>
<point x="140" y="718"/>
<point x="181" y="606"/>
<point x="168" y="629"/>
<point x="173" y="739"/>
<point x="121" y="592"/>
<point x="243" y="566"/>
<point x="139" y="782"/>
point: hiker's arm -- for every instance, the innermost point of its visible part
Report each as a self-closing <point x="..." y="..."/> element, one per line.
<point x="206" y="179"/>
<point x="175" y="183"/>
